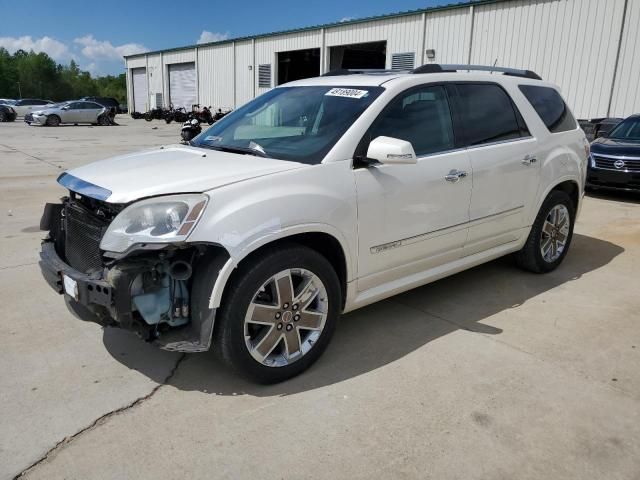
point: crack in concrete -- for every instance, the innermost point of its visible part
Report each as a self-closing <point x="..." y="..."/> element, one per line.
<point x="51" y="164"/>
<point x="99" y="421"/>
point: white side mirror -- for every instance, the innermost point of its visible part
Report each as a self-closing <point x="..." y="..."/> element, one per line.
<point x="391" y="151"/>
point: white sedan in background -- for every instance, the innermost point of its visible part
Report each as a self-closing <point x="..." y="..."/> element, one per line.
<point x="68" y="112"/>
<point x="25" y="106"/>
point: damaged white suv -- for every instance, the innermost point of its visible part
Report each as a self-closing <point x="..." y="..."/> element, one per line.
<point x="317" y="198"/>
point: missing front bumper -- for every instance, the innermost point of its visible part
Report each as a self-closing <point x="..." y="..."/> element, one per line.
<point x="105" y="298"/>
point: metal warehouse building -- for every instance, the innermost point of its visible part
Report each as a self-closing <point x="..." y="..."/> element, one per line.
<point x="591" y="48"/>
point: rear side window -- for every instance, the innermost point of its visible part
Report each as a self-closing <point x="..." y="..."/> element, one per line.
<point x="487" y="114"/>
<point x="551" y="108"/>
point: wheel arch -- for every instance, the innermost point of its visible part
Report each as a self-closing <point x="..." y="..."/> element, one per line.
<point x="568" y="184"/>
<point x="319" y="238"/>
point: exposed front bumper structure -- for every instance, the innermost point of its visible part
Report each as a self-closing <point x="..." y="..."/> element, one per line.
<point x="124" y="293"/>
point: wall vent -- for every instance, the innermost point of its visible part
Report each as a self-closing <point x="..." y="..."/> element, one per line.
<point x="264" y="76"/>
<point x="403" y="61"/>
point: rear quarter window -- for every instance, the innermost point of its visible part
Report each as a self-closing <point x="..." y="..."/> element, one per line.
<point x="551" y="108"/>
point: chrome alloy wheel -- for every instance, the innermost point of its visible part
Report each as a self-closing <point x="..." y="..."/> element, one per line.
<point x="286" y="317"/>
<point x="555" y="233"/>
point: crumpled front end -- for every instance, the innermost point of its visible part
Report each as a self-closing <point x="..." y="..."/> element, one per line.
<point x="157" y="291"/>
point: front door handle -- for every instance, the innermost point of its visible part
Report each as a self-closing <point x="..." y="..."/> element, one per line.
<point x="455" y="175"/>
<point x="529" y="159"/>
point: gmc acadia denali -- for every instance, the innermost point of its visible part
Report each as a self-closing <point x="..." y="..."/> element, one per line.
<point x="317" y="198"/>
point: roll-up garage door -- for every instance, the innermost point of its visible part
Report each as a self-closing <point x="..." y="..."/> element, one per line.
<point x="182" y="85"/>
<point x="139" y="76"/>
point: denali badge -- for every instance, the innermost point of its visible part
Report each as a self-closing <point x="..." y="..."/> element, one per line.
<point x="618" y="164"/>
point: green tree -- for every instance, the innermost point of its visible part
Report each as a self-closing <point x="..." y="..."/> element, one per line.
<point x="39" y="76"/>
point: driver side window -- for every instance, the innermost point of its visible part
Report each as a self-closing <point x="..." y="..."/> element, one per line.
<point x="420" y="116"/>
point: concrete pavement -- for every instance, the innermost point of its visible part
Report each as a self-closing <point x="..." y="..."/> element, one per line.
<point x="492" y="373"/>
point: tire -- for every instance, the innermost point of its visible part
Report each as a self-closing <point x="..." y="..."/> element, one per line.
<point x="546" y="232"/>
<point x="236" y="316"/>
<point x="148" y="117"/>
<point x="53" y="120"/>
<point x="3" y="117"/>
<point x="103" y="121"/>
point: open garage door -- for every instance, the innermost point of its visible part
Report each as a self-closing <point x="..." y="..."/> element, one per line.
<point x="182" y="85"/>
<point x="298" y="64"/>
<point x="358" y="55"/>
<point x="139" y="76"/>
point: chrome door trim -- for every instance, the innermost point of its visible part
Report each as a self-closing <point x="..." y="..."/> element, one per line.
<point x="441" y="231"/>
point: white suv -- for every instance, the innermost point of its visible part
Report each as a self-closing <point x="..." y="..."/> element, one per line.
<point x="317" y="198"/>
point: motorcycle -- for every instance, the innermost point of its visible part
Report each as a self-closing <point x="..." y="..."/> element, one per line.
<point x="203" y="115"/>
<point x="154" y="113"/>
<point x="190" y="129"/>
<point x="220" y="114"/>
<point x="178" y="114"/>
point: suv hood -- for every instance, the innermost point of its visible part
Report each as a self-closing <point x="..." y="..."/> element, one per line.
<point x="167" y="170"/>
<point x="612" y="146"/>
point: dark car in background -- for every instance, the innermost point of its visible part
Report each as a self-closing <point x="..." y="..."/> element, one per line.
<point x="108" y="102"/>
<point x="615" y="157"/>
<point x="7" y="113"/>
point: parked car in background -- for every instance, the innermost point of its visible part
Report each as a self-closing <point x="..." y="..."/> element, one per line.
<point x="7" y="101"/>
<point x="28" y="105"/>
<point x="318" y="197"/>
<point x="7" y="113"/>
<point x="615" y="157"/>
<point x="69" y="112"/>
<point x="107" y="102"/>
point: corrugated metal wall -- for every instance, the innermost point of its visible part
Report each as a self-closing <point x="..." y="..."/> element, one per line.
<point x="573" y="43"/>
<point x="244" y="72"/>
<point x="626" y="94"/>
<point x="569" y="42"/>
<point x="402" y="35"/>
<point x="449" y="34"/>
<point x="215" y="75"/>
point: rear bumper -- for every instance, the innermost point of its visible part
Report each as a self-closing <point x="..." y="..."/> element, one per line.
<point x="612" y="179"/>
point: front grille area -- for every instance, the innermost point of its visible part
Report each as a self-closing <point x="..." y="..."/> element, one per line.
<point x="83" y="232"/>
<point x="630" y="164"/>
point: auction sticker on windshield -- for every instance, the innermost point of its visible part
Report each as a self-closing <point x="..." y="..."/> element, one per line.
<point x="347" y="92"/>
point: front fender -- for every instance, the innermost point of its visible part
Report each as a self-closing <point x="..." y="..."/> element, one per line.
<point x="247" y="215"/>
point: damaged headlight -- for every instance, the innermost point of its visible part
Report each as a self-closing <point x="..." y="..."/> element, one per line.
<point x="156" y="220"/>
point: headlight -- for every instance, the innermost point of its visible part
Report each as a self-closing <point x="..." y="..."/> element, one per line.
<point x="156" y="220"/>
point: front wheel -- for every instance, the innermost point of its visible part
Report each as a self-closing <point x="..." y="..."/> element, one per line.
<point x="278" y="314"/>
<point x="550" y="236"/>
<point x="3" y="117"/>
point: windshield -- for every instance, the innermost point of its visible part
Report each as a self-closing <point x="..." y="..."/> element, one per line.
<point x="629" y="129"/>
<point x="300" y="124"/>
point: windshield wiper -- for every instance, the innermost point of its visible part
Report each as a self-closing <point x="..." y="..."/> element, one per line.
<point x="244" y="150"/>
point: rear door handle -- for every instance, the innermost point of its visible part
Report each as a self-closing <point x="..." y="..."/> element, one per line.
<point x="455" y="175"/>
<point x="529" y="159"/>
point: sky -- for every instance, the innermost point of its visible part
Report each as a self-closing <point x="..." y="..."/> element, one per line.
<point x="97" y="34"/>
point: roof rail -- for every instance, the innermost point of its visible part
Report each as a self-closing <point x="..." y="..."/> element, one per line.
<point x="356" y="71"/>
<point x="514" y="72"/>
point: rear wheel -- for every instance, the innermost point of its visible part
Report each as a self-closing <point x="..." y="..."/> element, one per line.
<point x="550" y="236"/>
<point x="279" y="313"/>
<point x="53" y="120"/>
<point x="3" y="117"/>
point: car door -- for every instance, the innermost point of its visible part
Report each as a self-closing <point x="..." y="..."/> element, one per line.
<point x="504" y="161"/>
<point x="73" y="113"/>
<point x="91" y="112"/>
<point x="412" y="217"/>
